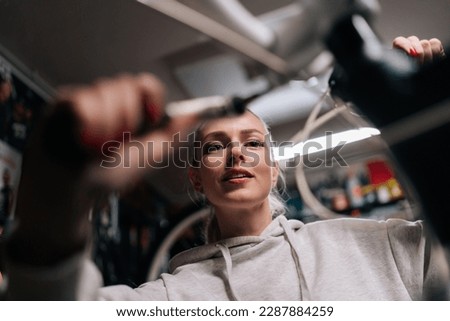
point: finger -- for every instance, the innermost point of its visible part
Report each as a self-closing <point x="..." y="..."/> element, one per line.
<point x="427" y="52"/>
<point x="437" y="48"/>
<point x="118" y="106"/>
<point x="131" y="159"/>
<point x="123" y="101"/>
<point x="153" y="94"/>
<point x="417" y="47"/>
<point x="111" y="107"/>
<point x="101" y="111"/>
<point x="152" y="87"/>
<point x="403" y="44"/>
<point x="406" y="45"/>
<point x="82" y="113"/>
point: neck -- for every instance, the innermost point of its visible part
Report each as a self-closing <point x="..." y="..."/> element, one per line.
<point x="243" y="222"/>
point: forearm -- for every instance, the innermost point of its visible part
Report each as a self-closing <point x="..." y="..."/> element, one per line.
<point x="51" y="217"/>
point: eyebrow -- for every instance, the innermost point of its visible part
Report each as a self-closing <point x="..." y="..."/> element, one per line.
<point x="222" y="134"/>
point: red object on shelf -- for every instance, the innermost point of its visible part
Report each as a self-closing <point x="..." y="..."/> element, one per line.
<point x="379" y="172"/>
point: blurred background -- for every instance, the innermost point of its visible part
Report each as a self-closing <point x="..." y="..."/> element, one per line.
<point x="48" y="43"/>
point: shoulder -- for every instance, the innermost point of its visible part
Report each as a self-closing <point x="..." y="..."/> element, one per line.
<point x="393" y="230"/>
<point x="395" y="225"/>
<point x="405" y="235"/>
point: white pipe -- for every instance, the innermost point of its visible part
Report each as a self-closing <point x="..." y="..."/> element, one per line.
<point x="219" y="32"/>
<point x="233" y="15"/>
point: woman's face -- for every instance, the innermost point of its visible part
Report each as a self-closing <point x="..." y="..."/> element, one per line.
<point x="235" y="170"/>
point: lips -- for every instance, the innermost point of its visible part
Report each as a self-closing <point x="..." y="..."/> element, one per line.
<point x="236" y="174"/>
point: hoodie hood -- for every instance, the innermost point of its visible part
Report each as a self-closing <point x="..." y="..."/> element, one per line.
<point x="204" y="252"/>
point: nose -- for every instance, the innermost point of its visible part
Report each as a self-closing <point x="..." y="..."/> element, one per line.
<point x="235" y="154"/>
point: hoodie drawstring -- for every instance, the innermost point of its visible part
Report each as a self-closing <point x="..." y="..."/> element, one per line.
<point x="295" y="254"/>
<point x="229" y="265"/>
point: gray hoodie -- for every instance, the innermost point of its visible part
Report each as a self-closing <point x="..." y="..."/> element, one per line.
<point x="342" y="259"/>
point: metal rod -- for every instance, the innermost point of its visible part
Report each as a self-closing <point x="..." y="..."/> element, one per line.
<point x="218" y="32"/>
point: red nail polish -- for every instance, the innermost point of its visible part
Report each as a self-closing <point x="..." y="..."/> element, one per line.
<point x="91" y="140"/>
<point x="413" y="52"/>
<point x="152" y="112"/>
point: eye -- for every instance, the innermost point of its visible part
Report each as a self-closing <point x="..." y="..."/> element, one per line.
<point x="212" y="147"/>
<point x="254" y="143"/>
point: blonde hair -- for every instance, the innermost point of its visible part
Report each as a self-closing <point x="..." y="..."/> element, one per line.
<point x="276" y="201"/>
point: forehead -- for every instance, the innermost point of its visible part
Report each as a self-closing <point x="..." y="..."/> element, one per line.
<point x="246" y="121"/>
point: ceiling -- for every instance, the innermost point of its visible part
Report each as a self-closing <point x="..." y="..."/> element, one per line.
<point x="77" y="41"/>
<point x="57" y="42"/>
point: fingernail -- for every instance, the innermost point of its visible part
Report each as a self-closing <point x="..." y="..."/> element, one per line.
<point x="413" y="52"/>
<point x="152" y="112"/>
<point x="91" y="140"/>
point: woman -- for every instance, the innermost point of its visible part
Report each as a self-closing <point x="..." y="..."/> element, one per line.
<point x="236" y="168"/>
<point x="252" y="256"/>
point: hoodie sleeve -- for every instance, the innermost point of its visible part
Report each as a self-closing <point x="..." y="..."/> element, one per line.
<point x="436" y="271"/>
<point x="151" y="291"/>
<point x="421" y="263"/>
<point x="76" y="278"/>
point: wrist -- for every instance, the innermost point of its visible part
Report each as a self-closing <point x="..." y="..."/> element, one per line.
<point x="42" y="247"/>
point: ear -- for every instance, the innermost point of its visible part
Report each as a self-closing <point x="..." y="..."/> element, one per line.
<point x="275" y="173"/>
<point x="194" y="177"/>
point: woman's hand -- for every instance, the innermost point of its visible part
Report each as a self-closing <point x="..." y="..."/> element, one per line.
<point x="56" y="191"/>
<point x="424" y="50"/>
